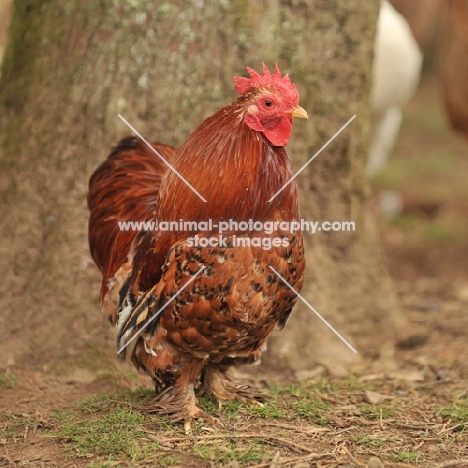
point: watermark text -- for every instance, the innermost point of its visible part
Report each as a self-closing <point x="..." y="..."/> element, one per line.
<point x="220" y="227"/>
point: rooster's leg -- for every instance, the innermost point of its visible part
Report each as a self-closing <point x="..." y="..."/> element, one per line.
<point x="178" y="402"/>
<point x="220" y="385"/>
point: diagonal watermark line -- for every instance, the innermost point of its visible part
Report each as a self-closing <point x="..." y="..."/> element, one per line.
<point x="159" y="155"/>
<point x="312" y="158"/>
<point x="314" y="311"/>
<point x="161" y="309"/>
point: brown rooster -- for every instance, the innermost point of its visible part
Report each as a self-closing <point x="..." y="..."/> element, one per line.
<point x="185" y="313"/>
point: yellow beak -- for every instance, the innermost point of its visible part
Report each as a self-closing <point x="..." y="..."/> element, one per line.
<point x="299" y="112"/>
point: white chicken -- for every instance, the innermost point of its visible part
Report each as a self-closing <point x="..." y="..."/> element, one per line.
<point x="6" y="7"/>
<point x="396" y="68"/>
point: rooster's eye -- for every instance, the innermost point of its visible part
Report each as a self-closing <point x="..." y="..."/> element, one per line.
<point x="267" y="103"/>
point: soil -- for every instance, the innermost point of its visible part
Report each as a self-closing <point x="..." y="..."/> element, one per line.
<point x="424" y="373"/>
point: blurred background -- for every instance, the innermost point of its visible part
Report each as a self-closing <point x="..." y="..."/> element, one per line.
<point x="421" y="191"/>
<point x="417" y="164"/>
<point x="420" y="180"/>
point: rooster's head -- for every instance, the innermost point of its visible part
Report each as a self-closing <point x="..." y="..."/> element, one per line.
<point x="271" y="101"/>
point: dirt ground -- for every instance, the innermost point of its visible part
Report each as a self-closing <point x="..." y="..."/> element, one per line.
<point x="403" y="407"/>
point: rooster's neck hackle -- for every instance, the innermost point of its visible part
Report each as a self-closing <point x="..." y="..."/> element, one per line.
<point x="233" y="167"/>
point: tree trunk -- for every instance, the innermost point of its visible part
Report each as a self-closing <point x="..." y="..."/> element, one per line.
<point x="72" y="66"/>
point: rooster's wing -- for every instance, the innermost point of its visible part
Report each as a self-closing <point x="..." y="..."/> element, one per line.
<point x="123" y="188"/>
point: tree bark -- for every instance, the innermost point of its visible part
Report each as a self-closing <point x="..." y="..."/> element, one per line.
<point x="72" y="66"/>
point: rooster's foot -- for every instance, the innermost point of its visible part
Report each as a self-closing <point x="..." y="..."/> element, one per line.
<point x="221" y="386"/>
<point x="179" y="405"/>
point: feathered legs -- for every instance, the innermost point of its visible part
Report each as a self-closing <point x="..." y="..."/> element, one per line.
<point x="218" y="383"/>
<point x="175" y="376"/>
<point x="178" y="403"/>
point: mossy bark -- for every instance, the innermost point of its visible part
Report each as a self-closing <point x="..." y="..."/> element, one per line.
<point x="72" y="66"/>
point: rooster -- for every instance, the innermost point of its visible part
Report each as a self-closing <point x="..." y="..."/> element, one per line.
<point x="184" y="313"/>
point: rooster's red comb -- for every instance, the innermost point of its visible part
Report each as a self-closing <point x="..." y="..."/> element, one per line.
<point x="244" y="85"/>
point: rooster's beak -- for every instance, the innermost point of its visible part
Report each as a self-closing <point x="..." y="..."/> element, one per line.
<point x="299" y="112"/>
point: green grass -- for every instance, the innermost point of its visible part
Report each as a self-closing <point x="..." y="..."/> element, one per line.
<point x="276" y="390"/>
<point x="357" y="385"/>
<point x="8" y="381"/>
<point x="113" y="424"/>
<point x="320" y="385"/>
<point x="209" y="406"/>
<point x="268" y="410"/>
<point x="407" y="457"/>
<point x="13" y="425"/>
<point x="306" y="400"/>
<point x="229" y="452"/>
<point x="169" y="461"/>
<point x="107" y="425"/>
<point x="370" y="441"/>
<point x="106" y="401"/>
<point x="311" y="408"/>
<point x="457" y="412"/>
<point x="114" y="427"/>
<point x="375" y="412"/>
<point x="229" y="409"/>
<point x="117" y="433"/>
<point x="301" y="400"/>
